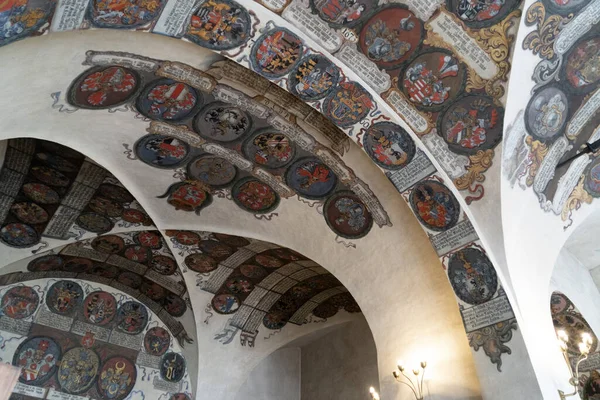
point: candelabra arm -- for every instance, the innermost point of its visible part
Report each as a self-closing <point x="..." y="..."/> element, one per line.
<point x="410" y="386"/>
<point x="421" y="387"/>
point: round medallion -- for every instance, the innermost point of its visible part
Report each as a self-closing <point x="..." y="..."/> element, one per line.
<point x="225" y="303"/>
<point x="347" y="104"/>
<point x="215" y="249"/>
<point x="51" y="262"/>
<point x="471" y="123"/>
<point x="168" y="100"/>
<point x="78" y="265"/>
<point x="29" y="213"/>
<point x="314" y="78"/>
<point x="172" y="367"/>
<point x="130" y="279"/>
<point x="212" y="170"/>
<point x="157" y="341"/>
<point x="230" y="240"/>
<point x="174" y="305"/>
<point x="123" y="15"/>
<point x="187" y="238"/>
<point x="105" y="271"/>
<point x="222" y="122"/>
<point x="390" y="37"/>
<point x="153" y="290"/>
<point x="483" y="14"/>
<point x="239" y="286"/>
<point x="117" y="378"/>
<point x="389" y="145"/>
<point x="38" y="358"/>
<point x="137" y="253"/>
<point x="134" y="216"/>
<point x="56" y="162"/>
<point x="433" y="79"/>
<point x="40" y="193"/>
<point x="275" y="320"/>
<point x="565" y="7"/>
<point x="64" y="297"/>
<point x="559" y="303"/>
<point x="201" y="263"/>
<point x="109" y="244"/>
<point x="162" y="151"/>
<point x="132" y="318"/>
<point x="114" y="192"/>
<point x="19" y="235"/>
<point x="434" y="205"/>
<point x="325" y="310"/>
<point x="94" y="222"/>
<point x="219" y="25"/>
<point x="149" y="239"/>
<point x="268" y="261"/>
<point x="472" y="276"/>
<point x="287" y="254"/>
<point x="99" y="308"/>
<point x="347" y="215"/>
<point x="253" y="271"/>
<point x="56" y="148"/>
<point x="254" y="196"/>
<point x="179" y="396"/>
<point x="103" y="87"/>
<point x="592" y="178"/>
<point x="20" y="19"/>
<point x="78" y="370"/>
<point x="20" y="302"/>
<point x="188" y="197"/>
<point x="106" y="207"/>
<point x="164" y="265"/>
<point x="311" y="178"/>
<point x="270" y="149"/>
<point x="580" y="68"/>
<point x="547" y="113"/>
<point x="342" y="14"/>
<point x="276" y="53"/>
<point x="50" y="176"/>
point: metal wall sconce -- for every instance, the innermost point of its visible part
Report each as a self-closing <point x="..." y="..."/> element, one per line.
<point x="584" y="348"/>
<point x="416" y="387"/>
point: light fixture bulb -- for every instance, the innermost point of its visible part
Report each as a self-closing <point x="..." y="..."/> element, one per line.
<point x="562" y="335"/>
<point x="416" y="371"/>
<point x="586" y="338"/>
<point x="423" y="364"/>
<point x="371" y="390"/>
<point x="395" y="373"/>
<point x="584" y="348"/>
<point x="400" y="366"/>
<point x="563" y="346"/>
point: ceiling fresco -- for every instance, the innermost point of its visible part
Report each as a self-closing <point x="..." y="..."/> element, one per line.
<point x="567" y="317"/>
<point x="561" y="115"/>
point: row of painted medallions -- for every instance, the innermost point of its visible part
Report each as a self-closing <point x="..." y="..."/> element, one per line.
<point x="286" y="280"/>
<point x="46" y="189"/>
<point x="567" y="317"/>
<point x="230" y="127"/>
<point x="561" y="116"/>
<point x="130" y="262"/>
<point x="62" y="352"/>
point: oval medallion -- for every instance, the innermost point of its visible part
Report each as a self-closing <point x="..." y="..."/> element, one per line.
<point x="253" y="271"/>
<point x="254" y="196"/>
<point x="270" y="149"/>
<point x="168" y="100"/>
<point x="347" y="215"/>
<point x="239" y="286"/>
<point x="38" y="358"/>
<point x="130" y="279"/>
<point x="78" y="370"/>
<point x="222" y="122"/>
<point x="78" y="265"/>
<point x="134" y="216"/>
<point x="314" y="78"/>
<point x="347" y="104"/>
<point x="219" y="25"/>
<point x="389" y="145"/>
<point x="162" y="151"/>
<point x="565" y="7"/>
<point x="94" y="222"/>
<point x="99" y="308"/>
<point x="20" y="302"/>
<point x="275" y="320"/>
<point x="164" y="265"/>
<point x="434" y="205"/>
<point x="105" y="271"/>
<point x="230" y="240"/>
<point x="41" y="193"/>
<point x="124" y="14"/>
<point x="132" y="318"/>
<point x="325" y="310"/>
<point x="20" y="19"/>
<point x="187" y="238"/>
<point x="342" y="14"/>
<point x="172" y="367"/>
<point x="225" y="303"/>
<point x="56" y="162"/>
<point x="215" y="249"/>
<point x="592" y="178"/>
<point x="117" y="378"/>
<point x="30" y="213"/>
<point x="64" y="297"/>
<point x="580" y="67"/>
<point x="19" y="235"/>
<point x="137" y="253"/>
<point x="152" y="240"/>
<point x="106" y="207"/>
<point x="212" y="170"/>
<point x="547" y="114"/>
<point x="276" y="53"/>
<point x="201" y="263"/>
<point x="157" y="341"/>
<point x="103" y="87"/>
<point x="114" y="192"/>
<point x="482" y="14"/>
<point x="153" y="290"/>
<point x="174" y="305"/>
<point x="311" y="178"/>
<point x="50" y="176"/>
<point x="472" y="276"/>
<point x="51" y="262"/>
<point x="559" y="303"/>
<point x="109" y="244"/>
<point x="268" y="261"/>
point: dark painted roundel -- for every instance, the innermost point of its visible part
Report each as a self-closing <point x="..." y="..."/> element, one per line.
<point x="29" y="213"/>
<point x="287" y="254"/>
<point x="559" y="303"/>
<point x="187" y="238"/>
<point x="389" y="145"/>
<point x="104" y="87"/>
<point x="99" y="308"/>
<point x="268" y="261"/>
<point x="134" y="216"/>
<point x="172" y="367"/>
<point x="547" y="114"/>
<point x="311" y="178"/>
<point x="212" y="170"/>
<point x="149" y="239"/>
<point x="201" y="263"/>
<point x="314" y="78"/>
<point x="179" y="396"/>
<point x="168" y="100"/>
<point x="239" y="285"/>
<point x="51" y="262"/>
<point x="580" y="69"/>
<point x="483" y="14"/>
<point x="20" y="302"/>
<point x="114" y="192"/>
<point x="94" y="222"/>
<point x="153" y="290"/>
<point x="253" y="271"/>
<point x="565" y="7"/>
<point x="157" y="341"/>
<point x="164" y="265"/>
<point x="254" y="196"/>
<point x="19" y="235"/>
<point x="592" y="178"/>
<point x="78" y="265"/>
<point x="56" y="162"/>
<point x="472" y="276"/>
<point x="347" y="104"/>
<point x="347" y="215"/>
<point x="137" y="253"/>
<point x="132" y="318"/>
<point x="130" y="279"/>
<point x="40" y="193"/>
<point x="162" y="151"/>
<point x="105" y="271"/>
<point x="470" y="124"/>
<point x="78" y="370"/>
<point x="276" y="53"/>
<point x="109" y="244"/>
<point x="390" y="37"/>
<point x="343" y="14"/>
<point x="434" y="205"/>
<point x="174" y="305"/>
<point x="215" y="249"/>
<point x="116" y="378"/>
<point x="128" y="15"/>
<point x="230" y="240"/>
<point x="222" y="122"/>
<point x="64" y="297"/>
<point x="325" y="310"/>
<point x="39" y="358"/>
<point x="275" y="320"/>
<point x="270" y="148"/>
<point x="106" y="207"/>
<point x="225" y="303"/>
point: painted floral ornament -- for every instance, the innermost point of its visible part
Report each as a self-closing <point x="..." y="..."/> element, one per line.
<point x="188" y="196"/>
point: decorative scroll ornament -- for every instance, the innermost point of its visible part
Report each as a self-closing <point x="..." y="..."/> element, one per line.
<point x="492" y="339"/>
<point x="479" y="163"/>
<point x="578" y="197"/>
<point x="538" y="151"/>
<point x="541" y="40"/>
